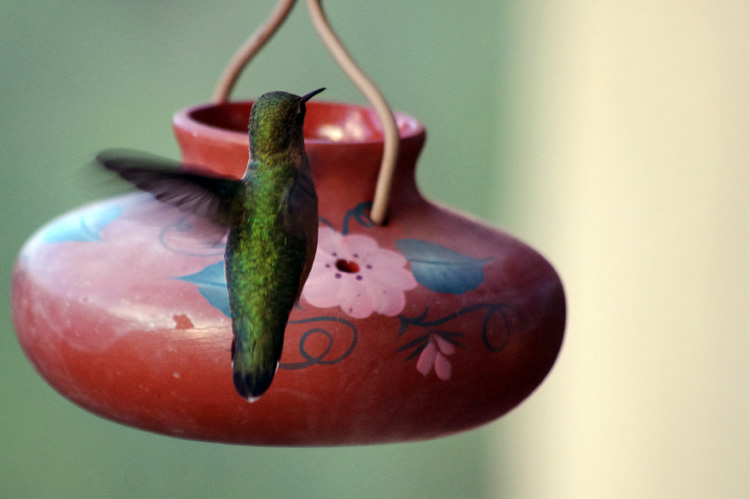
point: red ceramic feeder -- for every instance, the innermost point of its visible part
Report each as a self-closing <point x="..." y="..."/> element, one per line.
<point x="429" y="325"/>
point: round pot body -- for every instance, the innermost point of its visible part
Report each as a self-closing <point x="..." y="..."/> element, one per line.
<point x="429" y="325"/>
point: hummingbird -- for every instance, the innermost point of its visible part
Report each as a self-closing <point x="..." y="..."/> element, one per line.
<point x="271" y="215"/>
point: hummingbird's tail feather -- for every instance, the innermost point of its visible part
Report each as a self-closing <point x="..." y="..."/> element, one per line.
<point x="252" y="372"/>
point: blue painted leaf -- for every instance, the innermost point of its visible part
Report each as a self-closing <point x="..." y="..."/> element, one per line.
<point x="82" y="226"/>
<point x="212" y="284"/>
<point x="440" y="269"/>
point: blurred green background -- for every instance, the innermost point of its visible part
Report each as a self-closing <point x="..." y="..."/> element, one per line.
<point x="77" y="77"/>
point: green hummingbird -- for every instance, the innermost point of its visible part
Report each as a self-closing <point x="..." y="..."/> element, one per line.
<point x="272" y="218"/>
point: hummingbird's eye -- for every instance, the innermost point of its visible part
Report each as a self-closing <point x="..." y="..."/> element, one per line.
<point x="301" y="108"/>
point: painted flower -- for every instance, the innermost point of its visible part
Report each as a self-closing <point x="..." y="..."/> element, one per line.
<point x="354" y="273"/>
<point x="434" y="356"/>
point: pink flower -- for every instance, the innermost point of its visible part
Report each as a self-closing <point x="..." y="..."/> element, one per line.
<point x="434" y="355"/>
<point x="354" y="273"/>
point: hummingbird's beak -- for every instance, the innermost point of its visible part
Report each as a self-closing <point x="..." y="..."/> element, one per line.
<point x="309" y="96"/>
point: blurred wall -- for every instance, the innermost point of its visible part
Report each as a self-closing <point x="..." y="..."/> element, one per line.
<point x="633" y="175"/>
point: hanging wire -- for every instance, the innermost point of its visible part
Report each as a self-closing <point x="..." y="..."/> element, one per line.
<point x="373" y="95"/>
<point x="248" y="50"/>
<point x="391" y="138"/>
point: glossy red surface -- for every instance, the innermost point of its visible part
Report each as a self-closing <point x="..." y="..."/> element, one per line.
<point x="430" y="325"/>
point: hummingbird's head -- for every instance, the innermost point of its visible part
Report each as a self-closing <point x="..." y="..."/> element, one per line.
<point x="276" y="122"/>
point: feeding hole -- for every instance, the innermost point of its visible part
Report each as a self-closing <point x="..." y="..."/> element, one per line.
<point x="347" y="266"/>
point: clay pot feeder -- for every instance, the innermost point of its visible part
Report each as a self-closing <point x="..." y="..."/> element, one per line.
<point x="420" y="324"/>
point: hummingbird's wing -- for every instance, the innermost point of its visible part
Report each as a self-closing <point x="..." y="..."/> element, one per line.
<point x="214" y="197"/>
<point x="300" y="214"/>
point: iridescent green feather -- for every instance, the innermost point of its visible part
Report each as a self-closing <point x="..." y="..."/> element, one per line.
<point x="264" y="263"/>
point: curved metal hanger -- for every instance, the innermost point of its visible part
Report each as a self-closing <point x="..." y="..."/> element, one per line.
<point x="390" y="129"/>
